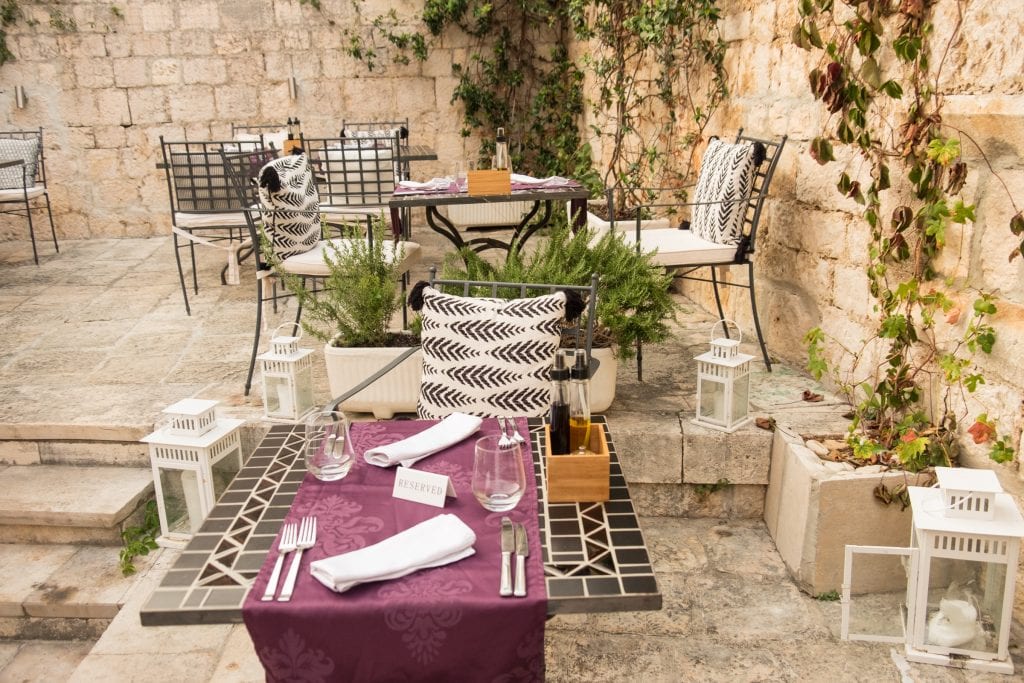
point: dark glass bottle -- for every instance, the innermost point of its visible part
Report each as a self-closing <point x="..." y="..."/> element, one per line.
<point x="579" y="404"/>
<point x="558" y="419"/>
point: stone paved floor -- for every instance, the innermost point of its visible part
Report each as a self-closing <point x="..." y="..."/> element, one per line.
<point x="98" y="336"/>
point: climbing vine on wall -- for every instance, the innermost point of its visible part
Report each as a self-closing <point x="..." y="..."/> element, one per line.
<point x="877" y="78"/>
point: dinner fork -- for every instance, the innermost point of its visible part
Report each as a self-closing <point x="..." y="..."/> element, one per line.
<point x="516" y="436"/>
<point x="503" y="441"/>
<point x="307" y="539"/>
<point x="288" y="537"/>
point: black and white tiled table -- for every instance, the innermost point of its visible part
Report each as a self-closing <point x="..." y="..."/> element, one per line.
<point x="595" y="558"/>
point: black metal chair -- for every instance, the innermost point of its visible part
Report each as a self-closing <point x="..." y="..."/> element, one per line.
<point x="681" y="249"/>
<point x="204" y="205"/>
<point x="23" y="179"/>
<point x="243" y="171"/>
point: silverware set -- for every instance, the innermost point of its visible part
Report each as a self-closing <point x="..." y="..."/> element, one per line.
<point x="294" y="539"/>
<point x="509" y="433"/>
<point x="513" y="540"/>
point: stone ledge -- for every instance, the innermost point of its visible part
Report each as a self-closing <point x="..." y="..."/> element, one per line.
<point x="711" y="456"/>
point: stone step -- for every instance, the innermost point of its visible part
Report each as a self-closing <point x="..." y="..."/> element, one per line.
<point x="67" y="504"/>
<point x="77" y="452"/>
<point x="62" y="592"/>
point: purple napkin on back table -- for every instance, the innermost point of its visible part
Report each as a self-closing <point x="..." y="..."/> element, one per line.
<point x="441" y="624"/>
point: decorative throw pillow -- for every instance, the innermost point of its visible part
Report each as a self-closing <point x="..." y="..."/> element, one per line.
<point x="726" y="176"/>
<point x="487" y="357"/>
<point x="14" y="177"/>
<point x="291" y="205"/>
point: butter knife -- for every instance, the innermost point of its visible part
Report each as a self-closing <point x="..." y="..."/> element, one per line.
<point x="508" y="542"/>
<point x="522" y="552"/>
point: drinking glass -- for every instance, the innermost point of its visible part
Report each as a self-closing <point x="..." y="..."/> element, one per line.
<point x="499" y="478"/>
<point x="329" y="454"/>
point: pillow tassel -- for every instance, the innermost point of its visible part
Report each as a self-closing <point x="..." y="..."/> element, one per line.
<point x="574" y="304"/>
<point x="759" y="154"/>
<point x="416" y="295"/>
<point x="270" y="180"/>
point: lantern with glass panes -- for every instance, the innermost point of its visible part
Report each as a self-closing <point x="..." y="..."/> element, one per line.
<point x="961" y="568"/>
<point x="723" y="382"/>
<point x="287" y="377"/>
<point x="194" y="456"/>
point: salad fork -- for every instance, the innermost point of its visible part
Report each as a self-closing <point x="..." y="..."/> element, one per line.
<point x="307" y="539"/>
<point x="503" y="441"/>
<point x="516" y="436"/>
<point x="288" y="538"/>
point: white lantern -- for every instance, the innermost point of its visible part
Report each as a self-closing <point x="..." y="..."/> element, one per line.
<point x="194" y="457"/>
<point x="287" y="378"/>
<point x="723" y="383"/>
<point x="961" y="571"/>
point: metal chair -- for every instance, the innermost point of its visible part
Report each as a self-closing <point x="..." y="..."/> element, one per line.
<point x="204" y="206"/>
<point x="580" y="329"/>
<point x="23" y="179"/>
<point x="309" y="265"/>
<point x="680" y="248"/>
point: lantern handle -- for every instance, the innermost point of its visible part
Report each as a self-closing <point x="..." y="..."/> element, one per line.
<point x="297" y="326"/>
<point x="724" y="322"/>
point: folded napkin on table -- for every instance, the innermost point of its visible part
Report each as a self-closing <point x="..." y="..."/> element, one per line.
<point x="437" y="541"/>
<point x="434" y="184"/>
<point x="551" y="181"/>
<point x="409" y="451"/>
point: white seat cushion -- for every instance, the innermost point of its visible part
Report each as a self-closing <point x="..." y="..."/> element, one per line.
<point x="681" y="247"/>
<point x="314" y="264"/>
<point x="18" y="194"/>
<point x="209" y="220"/>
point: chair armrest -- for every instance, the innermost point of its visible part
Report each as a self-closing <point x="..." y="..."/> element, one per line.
<point x="395" y="362"/>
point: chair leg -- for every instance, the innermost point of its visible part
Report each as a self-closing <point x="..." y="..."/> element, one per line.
<point x="757" y="321"/>
<point x="256" y="336"/>
<point x="639" y="361"/>
<point x="181" y="273"/>
<point x="53" y="230"/>
<point x="195" y="272"/>
<point x="718" y="298"/>
<point x="31" y="232"/>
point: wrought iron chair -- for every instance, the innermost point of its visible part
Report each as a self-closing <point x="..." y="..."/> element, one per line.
<point x="705" y="241"/>
<point x="23" y="179"/>
<point x="485" y="363"/>
<point x="204" y="206"/>
<point x="263" y="222"/>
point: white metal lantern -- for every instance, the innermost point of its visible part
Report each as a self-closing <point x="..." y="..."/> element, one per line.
<point x="287" y="378"/>
<point x="961" y="571"/>
<point x="723" y="383"/>
<point x="194" y="456"/>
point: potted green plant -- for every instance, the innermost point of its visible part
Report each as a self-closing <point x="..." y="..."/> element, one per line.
<point x="352" y="310"/>
<point x="633" y="301"/>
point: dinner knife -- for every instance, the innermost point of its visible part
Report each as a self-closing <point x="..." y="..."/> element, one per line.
<point x="508" y="542"/>
<point x="522" y="552"/>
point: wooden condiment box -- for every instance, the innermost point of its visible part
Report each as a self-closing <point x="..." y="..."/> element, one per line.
<point x="483" y="183"/>
<point x="575" y="477"/>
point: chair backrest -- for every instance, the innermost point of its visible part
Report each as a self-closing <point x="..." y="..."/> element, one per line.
<point x="27" y="146"/>
<point x="355" y="173"/>
<point x="197" y="181"/>
<point x="488" y="346"/>
<point x="763" y="174"/>
<point x="375" y="128"/>
<point x="267" y="135"/>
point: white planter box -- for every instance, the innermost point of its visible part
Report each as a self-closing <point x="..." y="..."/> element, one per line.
<point x="397" y="391"/>
<point x="487" y="215"/>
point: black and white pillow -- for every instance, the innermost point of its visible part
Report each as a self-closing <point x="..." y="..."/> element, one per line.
<point x="726" y="176"/>
<point x="487" y="357"/>
<point x="15" y="177"/>
<point x="291" y="205"/>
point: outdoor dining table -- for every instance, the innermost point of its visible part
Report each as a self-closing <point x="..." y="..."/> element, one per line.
<point x="542" y="197"/>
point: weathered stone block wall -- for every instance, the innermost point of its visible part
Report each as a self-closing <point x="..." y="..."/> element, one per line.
<point x="106" y="91"/>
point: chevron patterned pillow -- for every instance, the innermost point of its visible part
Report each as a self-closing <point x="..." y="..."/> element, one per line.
<point x="291" y="205"/>
<point x="488" y="357"/>
<point x="726" y="176"/>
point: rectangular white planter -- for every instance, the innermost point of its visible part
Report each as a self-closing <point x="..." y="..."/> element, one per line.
<point x="487" y="215"/>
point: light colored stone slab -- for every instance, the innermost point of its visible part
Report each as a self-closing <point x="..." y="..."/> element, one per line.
<point x="649" y="446"/>
<point x="150" y="667"/>
<point x="7" y="652"/>
<point x="133" y="454"/>
<point x="71" y="496"/>
<point x="58" y="659"/>
<point x="89" y="585"/>
<point x="25" y="567"/>
<point x="238" y="662"/>
<point x="19" y="453"/>
<point x="710" y="456"/>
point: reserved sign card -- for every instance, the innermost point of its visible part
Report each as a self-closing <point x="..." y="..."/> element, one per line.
<point x="422" y="487"/>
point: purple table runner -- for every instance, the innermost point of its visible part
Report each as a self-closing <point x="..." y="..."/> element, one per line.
<point x="442" y="624"/>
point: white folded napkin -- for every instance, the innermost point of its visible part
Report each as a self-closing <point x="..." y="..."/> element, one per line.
<point x="432" y="184"/>
<point x="440" y="540"/>
<point x="550" y="181"/>
<point x="411" y="450"/>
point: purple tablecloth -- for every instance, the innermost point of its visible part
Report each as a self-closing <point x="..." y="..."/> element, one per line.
<point x="441" y="624"/>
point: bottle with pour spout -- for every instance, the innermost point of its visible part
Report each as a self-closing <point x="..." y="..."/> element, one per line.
<point x="579" y="404"/>
<point x="501" y="151"/>
<point x="558" y="419"/>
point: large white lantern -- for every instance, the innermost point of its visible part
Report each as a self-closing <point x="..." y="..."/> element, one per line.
<point x="194" y="457"/>
<point x="287" y="378"/>
<point x="961" y="567"/>
<point x="723" y="383"/>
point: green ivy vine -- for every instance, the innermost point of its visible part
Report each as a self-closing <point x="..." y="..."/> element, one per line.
<point x="875" y="68"/>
